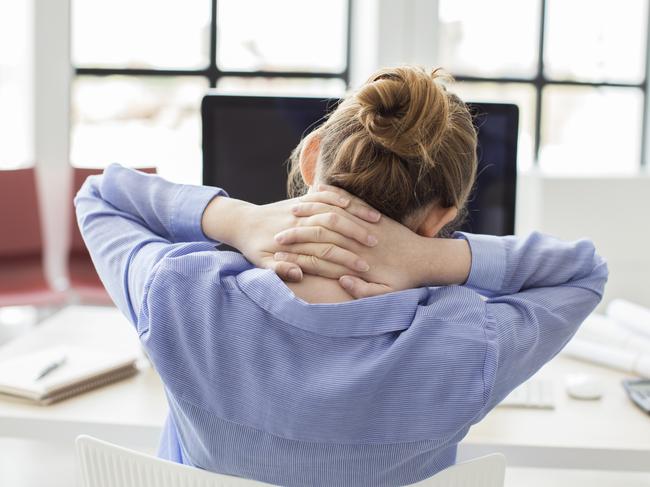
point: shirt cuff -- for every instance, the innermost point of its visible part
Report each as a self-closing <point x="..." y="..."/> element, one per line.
<point x="187" y="213"/>
<point x="488" y="269"/>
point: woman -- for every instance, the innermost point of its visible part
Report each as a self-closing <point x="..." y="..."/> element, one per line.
<point x="299" y="383"/>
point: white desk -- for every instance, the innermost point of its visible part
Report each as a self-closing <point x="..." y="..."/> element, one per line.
<point x="130" y="412"/>
<point x="610" y="434"/>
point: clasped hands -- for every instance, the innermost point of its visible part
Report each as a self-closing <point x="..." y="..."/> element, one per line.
<point x="334" y="234"/>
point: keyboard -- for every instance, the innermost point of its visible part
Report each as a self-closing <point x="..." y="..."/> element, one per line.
<point x="533" y="394"/>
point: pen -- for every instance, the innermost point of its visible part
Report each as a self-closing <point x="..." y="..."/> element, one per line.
<point x="51" y="367"/>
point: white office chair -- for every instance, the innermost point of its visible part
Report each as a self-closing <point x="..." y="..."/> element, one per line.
<point x="103" y="464"/>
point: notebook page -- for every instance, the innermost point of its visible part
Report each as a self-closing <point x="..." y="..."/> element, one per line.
<point x="19" y="375"/>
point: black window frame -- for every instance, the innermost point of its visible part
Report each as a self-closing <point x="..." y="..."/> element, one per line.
<point x="539" y="81"/>
<point x="212" y="71"/>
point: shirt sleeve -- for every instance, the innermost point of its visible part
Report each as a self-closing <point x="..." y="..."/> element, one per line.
<point x="130" y="221"/>
<point x="538" y="291"/>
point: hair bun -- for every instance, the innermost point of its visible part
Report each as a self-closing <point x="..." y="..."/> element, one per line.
<point x="404" y="110"/>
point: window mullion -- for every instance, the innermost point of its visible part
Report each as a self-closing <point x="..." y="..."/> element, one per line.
<point x="213" y="71"/>
<point x="540" y="82"/>
<point x="348" y="45"/>
<point x="645" y="125"/>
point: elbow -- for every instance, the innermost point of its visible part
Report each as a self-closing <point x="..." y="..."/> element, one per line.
<point x="601" y="275"/>
<point x="89" y="189"/>
<point x="86" y="200"/>
<point x="591" y="268"/>
<point x="598" y="271"/>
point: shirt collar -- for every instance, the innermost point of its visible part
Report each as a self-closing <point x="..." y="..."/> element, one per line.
<point x="368" y="316"/>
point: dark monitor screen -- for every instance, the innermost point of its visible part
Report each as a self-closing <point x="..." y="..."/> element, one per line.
<point x="247" y="141"/>
<point x="491" y="206"/>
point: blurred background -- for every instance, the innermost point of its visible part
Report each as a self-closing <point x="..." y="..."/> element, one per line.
<point x="84" y="83"/>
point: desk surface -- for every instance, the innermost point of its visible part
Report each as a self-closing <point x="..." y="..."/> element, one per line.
<point x="609" y="434"/>
<point x="130" y="412"/>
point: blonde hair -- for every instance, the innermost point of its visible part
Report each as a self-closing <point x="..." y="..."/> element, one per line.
<point x="400" y="142"/>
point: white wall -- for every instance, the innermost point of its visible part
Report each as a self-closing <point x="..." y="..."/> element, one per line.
<point x="613" y="212"/>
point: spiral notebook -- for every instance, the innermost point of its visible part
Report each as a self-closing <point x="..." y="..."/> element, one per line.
<point x="56" y="373"/>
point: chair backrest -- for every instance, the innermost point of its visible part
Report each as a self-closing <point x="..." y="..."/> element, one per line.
<point x="487" y="471"/>
<point x="103" y="464"/>
<point x="19" y="214"/>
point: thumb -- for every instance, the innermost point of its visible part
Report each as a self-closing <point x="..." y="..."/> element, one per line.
<point x="287" y="271"/>
<point x="358" y="288"/>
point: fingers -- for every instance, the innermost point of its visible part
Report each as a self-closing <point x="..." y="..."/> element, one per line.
<point x="314" y="234"/>
<point x="340" y="199"/>
<point x="329" y="223"/>
<point x="311" y="264"/>
<point x="285" y="270"/>
<point x="328" y="197"/>
<point x="357" y="205"/>
<point x="358" y="288"/>
<point x="328" y="252"/>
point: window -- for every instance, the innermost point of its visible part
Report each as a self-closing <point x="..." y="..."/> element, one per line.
<point x="143" y="67"/>
<point x="576" y="69"/>
<point x="16" y="100"/>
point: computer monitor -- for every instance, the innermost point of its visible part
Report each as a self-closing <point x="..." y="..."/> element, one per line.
<point x="247" y="141"/>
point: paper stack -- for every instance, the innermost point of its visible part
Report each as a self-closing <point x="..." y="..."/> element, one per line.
<point x="620" y="340"/>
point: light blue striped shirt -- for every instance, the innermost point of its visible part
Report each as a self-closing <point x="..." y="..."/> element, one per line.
<point x="371" y="392"/>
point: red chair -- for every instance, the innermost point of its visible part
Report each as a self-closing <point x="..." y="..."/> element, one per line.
<point x="85" y="284"/>
<point x="22" y="277"/>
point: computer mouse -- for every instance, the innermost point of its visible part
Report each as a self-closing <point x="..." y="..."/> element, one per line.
<point x="584" y="386"/>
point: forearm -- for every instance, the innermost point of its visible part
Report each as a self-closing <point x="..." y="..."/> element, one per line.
<point x="172" y="211"/>
<point x="441" y="261"/>
<point x="225" y="219"/>
<point x="508" y="265"/>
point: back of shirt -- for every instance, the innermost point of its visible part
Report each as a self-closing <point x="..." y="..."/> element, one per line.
<point x="379" y="390"/>
<point x="376" y="391"/>
<point x="402" y="368"/>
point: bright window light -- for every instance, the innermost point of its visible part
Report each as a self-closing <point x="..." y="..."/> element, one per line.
<point x="141" y="34"/>
<point x="143" y="68"/>
<point x="596" y="40"/>
<point x="587" y="126"/>
<point x="138" y="122"/>
<point x="589" y="130"/>
<point x="16" y="84"/>
<point x="494" y="38"/>
<point x="282" y="35"/>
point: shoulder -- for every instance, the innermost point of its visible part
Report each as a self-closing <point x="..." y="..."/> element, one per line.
<point x="453" y="304"/>
<point x="201" y="259"/>
<point x="190" y="279"/>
